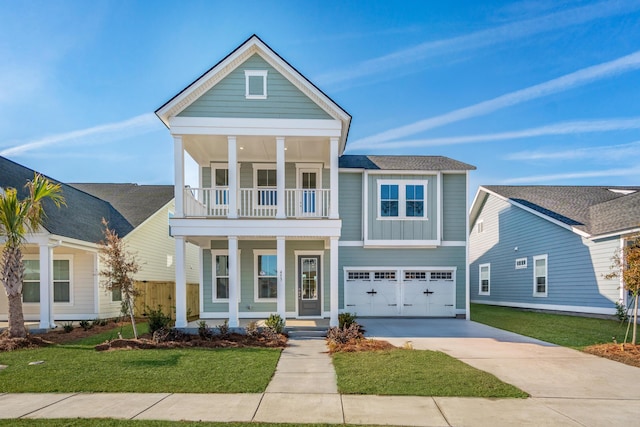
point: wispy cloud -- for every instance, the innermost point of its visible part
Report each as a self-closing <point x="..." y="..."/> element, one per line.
<point x="635" y="171"/>
<point x="492" y="36"/>
<point x="613" y="152"/>
<point x="564" y="128"/>
<point x="568" y="81"/>
<point x="138" y="125"/>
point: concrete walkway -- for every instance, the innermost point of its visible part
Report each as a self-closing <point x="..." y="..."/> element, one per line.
<point x="568" y="388"/>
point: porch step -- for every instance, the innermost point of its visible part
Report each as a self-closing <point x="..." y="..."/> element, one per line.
<point x="306" y="332"/>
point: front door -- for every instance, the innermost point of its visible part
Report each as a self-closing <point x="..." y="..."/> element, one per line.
<point x="309" y="285"/>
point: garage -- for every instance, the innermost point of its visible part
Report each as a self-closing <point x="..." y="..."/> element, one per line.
<point x="408" y="292"/>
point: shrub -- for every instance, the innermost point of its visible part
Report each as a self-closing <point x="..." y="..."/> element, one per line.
<point x="344" y="335"/>
<point x="622" y="312"/>
<point x="346" y="319"/>
<point x="203" y="330"/>
<point x="67" y="327"/>
<point x="86" y="325"/>
<point x="275" y="323"/>
<point x="168" y="334"/>
<point x="252" y="329"/>
<point x="157" y="319"/>
<point x="223" y="329"/>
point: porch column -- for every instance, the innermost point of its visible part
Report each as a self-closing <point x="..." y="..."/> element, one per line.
<point x="178" y="169"/>
<point x="333" y="200"/>
<point x="233" y="177"/>
<point x="333" y="272"/>
<point x="46" y="269"/>
<point x="280" y="165"/>
<point x="234" y="282"/>
<point x="181" y="283"/>
<point x="280" y="256"/>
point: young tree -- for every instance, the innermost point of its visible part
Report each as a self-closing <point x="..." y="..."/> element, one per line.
<point x="17" y="219"/>
<point x="626" y="264"/>
<point x="119" y="266"/>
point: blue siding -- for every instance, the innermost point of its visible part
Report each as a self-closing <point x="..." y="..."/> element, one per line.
<point x="351" y="206"/>
<point x="575" y="265"/>
<point x="227" y="97"/>
<point x="454" y="207"/>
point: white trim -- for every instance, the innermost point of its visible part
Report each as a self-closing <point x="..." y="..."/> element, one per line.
<point x="542" y="306"/>
<point x="521" y="266"/>
<point x="96" y="281"/>
<point x="412" y="172"/>
<point x="350" y="170"/>
<point x="365" y="206"/>
<point x="214" y="277"/>
<point x="439" y="205"/>
<point x="256" y="253"/>
<point x="546" y="276"/>
<point x="244" y="315"/>
<point x="254" y="127"/>
<point x="488" y="291"/>
<point x="201" y="276"/>
<point x="401" y="243"/>
<point x="296" y="254"/>
<point x="617" y="233"/>
<point x="458" y="243"/>
<point x="467" y="279"/>
<point x="356" y="243"/>
<point x="255" y="73"/>
<point x="402" y="200"/>
<point x="199" y="227"/>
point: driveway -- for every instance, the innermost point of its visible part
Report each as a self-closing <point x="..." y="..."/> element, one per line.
<point x="541" y="369"/>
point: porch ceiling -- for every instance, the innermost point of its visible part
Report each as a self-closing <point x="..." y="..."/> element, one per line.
<point x="205" y="149"/>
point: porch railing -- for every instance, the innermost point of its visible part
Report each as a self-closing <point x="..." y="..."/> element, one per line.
<point x="257" y="202"/>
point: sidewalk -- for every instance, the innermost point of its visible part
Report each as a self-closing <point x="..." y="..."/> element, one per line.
<point x="303" y="390"/>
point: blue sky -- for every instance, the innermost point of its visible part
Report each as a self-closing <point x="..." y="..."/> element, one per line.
<point x="530" y="92"/>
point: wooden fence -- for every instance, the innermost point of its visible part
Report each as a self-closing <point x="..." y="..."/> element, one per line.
<point x="163" y="294"/>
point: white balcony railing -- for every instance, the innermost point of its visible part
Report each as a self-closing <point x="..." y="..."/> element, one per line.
<point x="257" y="203"/>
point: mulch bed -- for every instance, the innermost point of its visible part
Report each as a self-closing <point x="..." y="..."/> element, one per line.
<point x="194" y="341"/>
<point x="361" y="344"/>
<point x="624" y="353"/>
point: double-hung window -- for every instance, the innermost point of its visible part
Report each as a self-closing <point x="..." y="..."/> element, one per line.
<point x="266" y="184"/>
<point x="540" y="276"/>
<point x="485" y="279"/>
<point x="220" y="185"/>
<point x="31" y="281"/>
<point x="266" y="280"/>
<point x="402" y="199"/>
<point x="220" y="270"/>
<point x="61" y="281"/>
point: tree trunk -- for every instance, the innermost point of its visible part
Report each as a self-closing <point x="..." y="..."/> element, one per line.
<point x="133" y="319"/>
<point x="635" y="318"/>
<point x="16" y="317"/>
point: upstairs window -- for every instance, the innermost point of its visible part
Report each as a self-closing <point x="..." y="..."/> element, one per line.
<point x="266" y="183"/>
<point x="255" y="84"/>
<point x="400" y="199"/>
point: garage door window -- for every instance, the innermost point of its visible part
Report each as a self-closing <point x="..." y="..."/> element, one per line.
<point x="415" y="275"/>
<point x="441" y="275"/>
<point x="358" y="275"/>
<point x="384" y="275"/>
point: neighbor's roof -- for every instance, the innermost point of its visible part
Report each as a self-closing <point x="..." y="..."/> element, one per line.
<point x="135" y="202"/>
<point x="594" y="210"/>
<point x="79" y="219"/>
<point x="425" y="163"/>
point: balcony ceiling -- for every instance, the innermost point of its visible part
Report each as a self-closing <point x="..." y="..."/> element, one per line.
<point x="206" y="149"/>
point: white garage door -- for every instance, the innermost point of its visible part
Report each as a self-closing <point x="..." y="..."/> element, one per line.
<point x="428" y="293"/>
<point x="402" y="292"/>
<point x="372" y="293"/>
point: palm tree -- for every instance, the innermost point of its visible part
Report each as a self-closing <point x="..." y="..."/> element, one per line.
<point x="17" y="219"/>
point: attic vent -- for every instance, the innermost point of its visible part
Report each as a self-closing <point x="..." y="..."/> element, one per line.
<point x="255" y="84"/>
<point x="621" y="191"/>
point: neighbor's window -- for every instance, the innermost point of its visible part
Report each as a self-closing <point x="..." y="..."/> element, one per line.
<point x="485" y="279"/>
<point x="267" y="277"/>
<point x="540" y="274"/>
<point x="116" y="295"/>
<point x="255" y="84"/>
<point x="521" y="263"/>
<point x="480" y="227"/>
<point x="31" y="281"/>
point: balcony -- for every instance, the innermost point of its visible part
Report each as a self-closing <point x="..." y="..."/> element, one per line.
<point x="257" y="203"/>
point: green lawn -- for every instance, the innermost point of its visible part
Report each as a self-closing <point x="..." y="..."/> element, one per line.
<point x="78" y="367"/>
<point x="415" y="373"/>
<point x="569" y="331"/>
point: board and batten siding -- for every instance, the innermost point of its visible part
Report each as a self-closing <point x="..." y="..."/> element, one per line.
<point x="350" y="203"/>
<point x="227" y="97"/>
<point x="398" y="229"/>
<point x="155" y="250"/>
<point x="449" y="256"/>
<point x="575" y="265"/>
<point x="454" y="207"/>
<point x="247" y="302"/>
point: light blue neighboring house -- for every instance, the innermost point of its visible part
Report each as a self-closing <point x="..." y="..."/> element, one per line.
<point x="287" y="224"/>
<point x="549" y="247"/>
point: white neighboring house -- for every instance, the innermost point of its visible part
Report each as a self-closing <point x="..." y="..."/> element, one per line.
<point x="61" y="261"/>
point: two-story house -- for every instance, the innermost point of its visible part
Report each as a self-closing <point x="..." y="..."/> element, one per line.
<point x="287" y="224"/>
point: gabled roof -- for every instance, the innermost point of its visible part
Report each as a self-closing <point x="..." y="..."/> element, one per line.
<point x="135" y="202"/>
<point x="80" y="219"/>
<point x="425" y="163"/>
<point x="252" y="46"/>
<point x="587" y="210"/>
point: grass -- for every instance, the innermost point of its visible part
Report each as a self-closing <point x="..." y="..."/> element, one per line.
<point x="77" y="367"/>
<point x="568" y="331"/>
<point x="415" y="373"/>
<point x="101" y="422"/>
